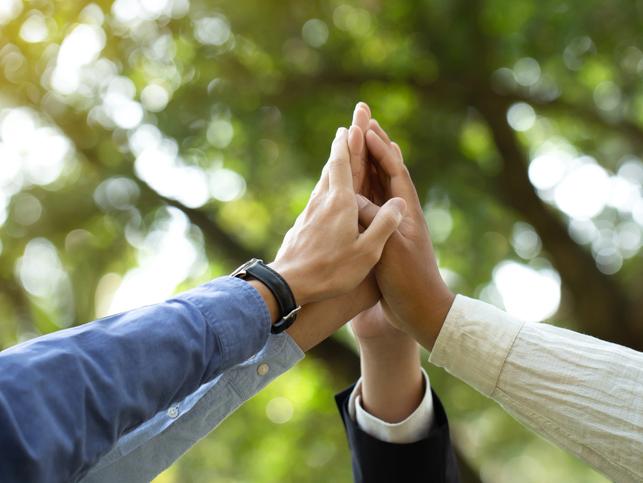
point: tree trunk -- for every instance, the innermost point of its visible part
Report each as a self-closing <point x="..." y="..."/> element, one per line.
<point x="599" y="303"/>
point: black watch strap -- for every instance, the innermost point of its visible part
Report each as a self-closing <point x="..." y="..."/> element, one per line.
<point x="288" y="307"/>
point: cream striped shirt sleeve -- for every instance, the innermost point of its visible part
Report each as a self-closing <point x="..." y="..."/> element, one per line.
<point x="581" y="393"/>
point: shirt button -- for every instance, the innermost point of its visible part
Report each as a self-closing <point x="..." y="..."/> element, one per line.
<point x="263" y="369"/>
<point x="173" y="411"/>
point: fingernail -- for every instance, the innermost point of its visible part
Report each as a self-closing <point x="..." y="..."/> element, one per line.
<point x="361" y="201"/>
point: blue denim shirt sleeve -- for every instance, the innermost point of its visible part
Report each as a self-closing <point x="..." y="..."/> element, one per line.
<point x="67" y="398"/>
<point x="153" y="446"/>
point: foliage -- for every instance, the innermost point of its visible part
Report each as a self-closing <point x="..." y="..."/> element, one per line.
<point x="148" y="146"/>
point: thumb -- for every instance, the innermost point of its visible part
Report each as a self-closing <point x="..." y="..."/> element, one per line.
<point x="382" y="225"/>
<point x="367" y="210"/>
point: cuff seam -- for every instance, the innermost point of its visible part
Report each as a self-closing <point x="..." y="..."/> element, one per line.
<point x="504" y="359"/>
<point x="249" y="290"/>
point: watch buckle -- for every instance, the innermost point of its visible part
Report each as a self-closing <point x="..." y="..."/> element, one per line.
<point x="240" y="271"/>
<point x="293" y="313"/>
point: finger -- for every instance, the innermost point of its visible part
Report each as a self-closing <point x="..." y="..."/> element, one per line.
<point x="398" y="150"/>
<point x="366" y="107"/>
<point x="322" y="183"/>
<point x="389" y="162"/>
<point x="375" y="126"/>
<point x="339" y="168"/>
<point x="367" y="210"/>
<point x="359" y="156"/>
<point x="361" y="117"/>
<point x="384" y="154"/>
<point x="356" y="150"/>
<point x="383" y="225"/>
<point x="355" y="142"/>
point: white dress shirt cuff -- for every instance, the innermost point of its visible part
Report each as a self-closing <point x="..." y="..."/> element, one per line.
<point x="474" y="342"/>
<point x="412" y="429"/>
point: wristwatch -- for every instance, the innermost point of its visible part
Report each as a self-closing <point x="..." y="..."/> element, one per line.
<point x="288" y="307"/>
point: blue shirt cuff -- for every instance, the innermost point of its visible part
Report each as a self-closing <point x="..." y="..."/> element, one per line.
<point x="242" y="327"/>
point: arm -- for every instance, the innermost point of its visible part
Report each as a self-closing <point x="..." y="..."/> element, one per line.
<point x="68" y="396"/>
<point x="396" y="429"/>
<point x="325" y="235"/>
<point x="430" y="458"/>
<point x="579" y="392"/>
<point x="392" y="384"/>
<point x="153" y="446"/>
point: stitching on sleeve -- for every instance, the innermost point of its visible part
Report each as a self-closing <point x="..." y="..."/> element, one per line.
<point x="504" y="360"/>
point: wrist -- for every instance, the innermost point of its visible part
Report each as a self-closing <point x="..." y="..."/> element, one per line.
<point x="271" y="302"/>
<point x="432" y="317"/>
<point x="318" y="320"/>
<point x="296" y="279"/>
<point x="389" y="357"/>
<point x="389" y="343"/>
<point x="392" y="384"/>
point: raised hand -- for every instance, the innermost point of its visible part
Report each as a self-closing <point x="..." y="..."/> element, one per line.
<point x="416" y="298"/>
<point x="324" y="254"/>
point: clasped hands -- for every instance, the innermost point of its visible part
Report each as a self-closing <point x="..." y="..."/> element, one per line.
<point x="361" y="248"/>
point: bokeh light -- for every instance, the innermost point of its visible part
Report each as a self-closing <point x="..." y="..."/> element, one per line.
<point x="528" y="294"/>
<point x="145" y="145"/>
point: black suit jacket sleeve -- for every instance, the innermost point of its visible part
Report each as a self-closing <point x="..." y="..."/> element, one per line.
<point x="429" y="460"/>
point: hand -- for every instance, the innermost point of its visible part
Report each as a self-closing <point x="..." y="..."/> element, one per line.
<point x="324" y="254"/>
<point x="417" y="298"/>
<point x="372" y="326"/>
<point x="392" y="383"/>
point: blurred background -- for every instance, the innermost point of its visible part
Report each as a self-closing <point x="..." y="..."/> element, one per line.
<point x="147" y="146"/>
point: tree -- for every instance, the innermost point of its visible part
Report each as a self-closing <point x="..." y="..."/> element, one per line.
<point x="123" y="121"/>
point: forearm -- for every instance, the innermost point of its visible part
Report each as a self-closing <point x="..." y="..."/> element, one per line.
<point x="153" y="446"/>
<point x="392" y="382"/>
<point x="68" y="396"/>
<point x="319" y="320"/>
<point x="579" y="392"/>
<point x="587" y="398"/>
